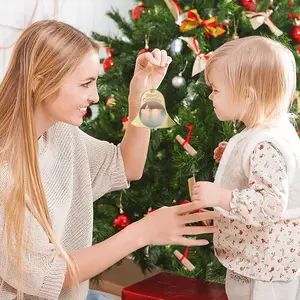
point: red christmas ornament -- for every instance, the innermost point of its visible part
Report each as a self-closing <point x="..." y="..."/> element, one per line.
<point x="144" y="51"/>
<point x="121" y="221"/>
<point x="295" y="33"/>
<point x="108" y="63"/>
<point x="248" y="4"/>
<point x="136" y="13"/>
<point x="184" y="202"/>
<point x="125" y="123"/>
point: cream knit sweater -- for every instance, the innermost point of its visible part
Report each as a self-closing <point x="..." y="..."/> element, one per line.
<point x="76" y="170"/>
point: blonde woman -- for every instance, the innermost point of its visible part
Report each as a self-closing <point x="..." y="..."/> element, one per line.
<point x="51" y="171"/>
<point x="256" y="187"/>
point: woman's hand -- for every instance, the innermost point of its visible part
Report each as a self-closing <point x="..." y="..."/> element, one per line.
<point x="167" y="225"/>
<point x="150" y="70"/>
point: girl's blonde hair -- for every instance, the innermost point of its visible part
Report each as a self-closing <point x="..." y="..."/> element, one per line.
<point x="261" y="70"/>
<point x="44" y="55"/>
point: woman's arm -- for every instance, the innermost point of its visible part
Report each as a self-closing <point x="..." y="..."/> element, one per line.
<point x="149" y="71"/>
<point x="163" y="226"/>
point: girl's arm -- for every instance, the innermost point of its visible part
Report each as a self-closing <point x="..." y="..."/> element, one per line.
<point x="264" y="201"/>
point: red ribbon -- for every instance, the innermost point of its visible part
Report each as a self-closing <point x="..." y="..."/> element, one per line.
<point x="185" y="255"/>
<point x="198" y="51"/>
<point x="188" y="137"/>
<point x="196" y="45"/>
<point x="293" y="16"/>
<point x="291" y="4"/>
<point x="178" y="7"/>
<point x="124" y="119"/>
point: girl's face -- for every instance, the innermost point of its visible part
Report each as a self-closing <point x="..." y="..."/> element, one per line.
<point x="77" y="92"/>
<point x="221" y="96"/>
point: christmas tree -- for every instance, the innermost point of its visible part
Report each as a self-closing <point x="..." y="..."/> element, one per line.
<point x="189" y="30"/>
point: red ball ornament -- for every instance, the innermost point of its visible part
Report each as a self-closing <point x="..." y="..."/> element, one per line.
<point x="144" y="51"/>
<point x="108" y="63"/>
<point x="184" y="202"/>
<point x="248" y="4"/>
<point x="136" y="13"/>
<point x="295" y="33"/>
<point x="121" y="221"/>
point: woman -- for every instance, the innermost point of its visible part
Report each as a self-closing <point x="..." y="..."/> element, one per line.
<point x="51" y="171"/>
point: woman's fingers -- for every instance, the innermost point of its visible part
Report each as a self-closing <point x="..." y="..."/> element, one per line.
<point x="157" y="54"/>
<point x="186" y="208"/>
<point x="164" y="58"/>
<point x="189" y="242"/>
<point x="197" y="217"/>
<point x="196" y="230"/>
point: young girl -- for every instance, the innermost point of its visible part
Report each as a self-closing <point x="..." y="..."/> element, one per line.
<point x="51" y="172"/>
<point x="256" y="187"/>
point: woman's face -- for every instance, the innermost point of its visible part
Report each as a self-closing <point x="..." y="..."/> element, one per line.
<point x="75" y="95"/>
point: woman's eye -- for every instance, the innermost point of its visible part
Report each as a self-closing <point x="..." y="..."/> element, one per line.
<point x="86" y="85"/>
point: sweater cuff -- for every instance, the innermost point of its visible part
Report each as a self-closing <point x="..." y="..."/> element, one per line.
<point x="53" y="282"/>
<point x="118" y="176"/>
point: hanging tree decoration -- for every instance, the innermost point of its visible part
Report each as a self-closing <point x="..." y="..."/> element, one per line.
<point x="176" y="47"/>
<point x="235" y="35"/>
<point x="201" y="58"/>
<point x="138" y="11"/>
<point x="122" y="220"/>
<point x="193" y="20"/>
<point x="185" y="143"/>
<point x="179" y="81"/>
<point x="176" y="11"/>
<point x="295" y="32"/>
<point x="146" y="49"/>
<point x="259" y="18"/>
<point x="108" y="62"/>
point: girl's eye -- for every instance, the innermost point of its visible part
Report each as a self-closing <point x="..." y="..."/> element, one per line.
<point x="86" y="85"/>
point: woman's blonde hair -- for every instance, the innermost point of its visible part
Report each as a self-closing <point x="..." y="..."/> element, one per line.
<point x="44" y="55"/>
<point x="261" y="70"/>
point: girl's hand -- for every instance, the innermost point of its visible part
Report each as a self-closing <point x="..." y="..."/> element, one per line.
<point x="208" y="194"/>
<point x="218" y="152"/>
<point x="150" y="70"/>
<point x="167" y="225"/>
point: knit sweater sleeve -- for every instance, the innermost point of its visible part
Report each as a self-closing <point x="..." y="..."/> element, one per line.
<point x="266" y="198"/>
<point x="106" y="165"/>
<point x="43" y="269"/>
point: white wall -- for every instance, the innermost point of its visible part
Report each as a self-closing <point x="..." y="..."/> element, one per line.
<point x="86" y="15"/>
